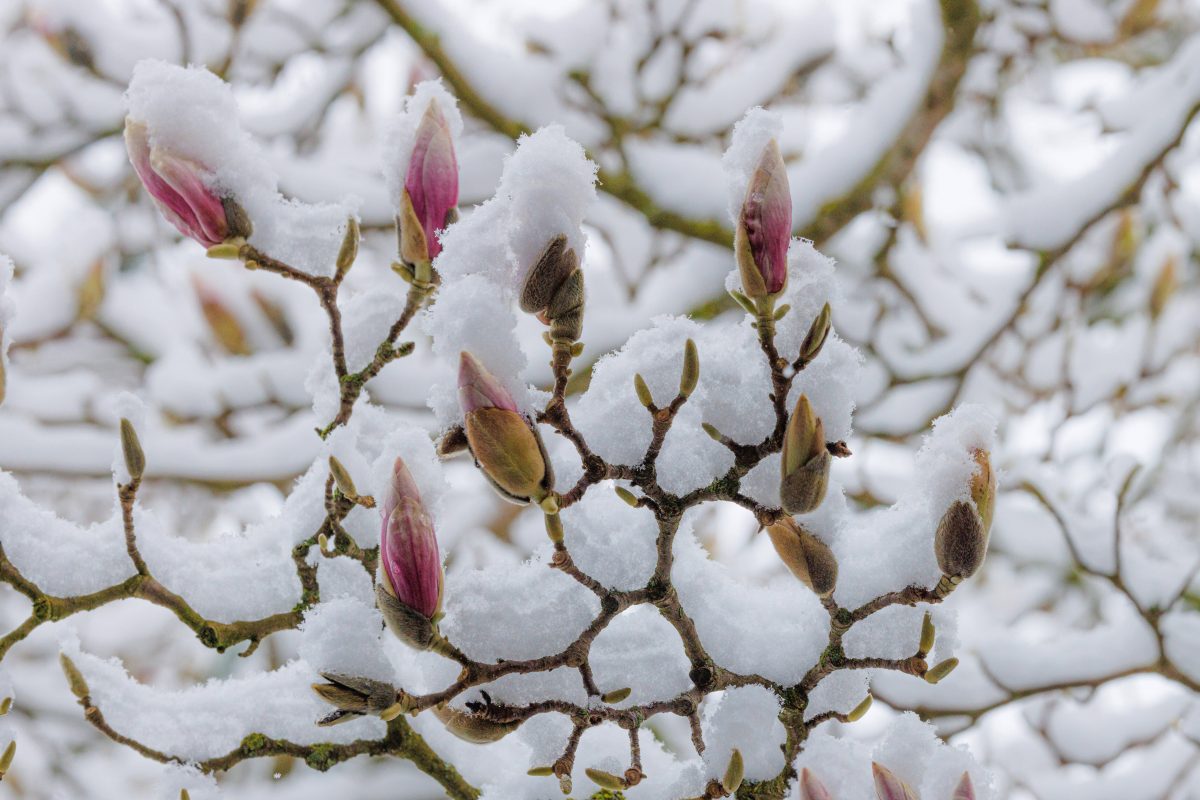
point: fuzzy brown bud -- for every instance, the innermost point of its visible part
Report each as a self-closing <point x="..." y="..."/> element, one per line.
<point x="808" y="558"/>
<point x="410" y="626"/>
<point x="353" y="697"/>
<point x="805" y="462"/>
<point x="473" y="727"/>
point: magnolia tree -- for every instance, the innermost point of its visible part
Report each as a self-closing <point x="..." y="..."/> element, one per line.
<point x="1009" y="193"/>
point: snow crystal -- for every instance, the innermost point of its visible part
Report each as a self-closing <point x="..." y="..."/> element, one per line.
<point x="403" y="131"/>
<point x="745" y="718"/>
<point x="192" y="112"/>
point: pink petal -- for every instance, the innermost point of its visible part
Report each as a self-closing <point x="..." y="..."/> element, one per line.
<point x="411" y="560"/>
<point x="890" y="787"/>
<point x="173" y="207"/>
<point x="811" y="788"/>
<point x="185" y="178"/>
<point x="965" y="789"/>
<point x="432" y="179"/>
<point x="478" y="388"/>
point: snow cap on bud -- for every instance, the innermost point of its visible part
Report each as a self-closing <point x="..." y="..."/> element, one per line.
<point x="764" y="226"/>
<point x="962" y="534"/>
<point x="430" y="193"/>
<point x="353" y="697"/>
<point x="553" y="290"/>
<point x="811" y="788"/>
<point x="805" y="462"/>
<point x="504" y="443"/>
<point x="808" y="558"/>
<point x="409" y="592"/>
<point x="965" y="789"/>
<point x="890" y="787"/>
<point x="180" y="188"/>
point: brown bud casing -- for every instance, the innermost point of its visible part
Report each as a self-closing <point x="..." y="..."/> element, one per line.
<point x="353" y="696"/>
<point x="808" y="558"/>
<point x="805" y="461"/>
<point x="818" y="332"/>
<point x="473" y="727"/>
<point x="961" y="541"/>
<point x="409" y="625"/>
<point x="414" y="249"/>
<point x="510" y="452"/>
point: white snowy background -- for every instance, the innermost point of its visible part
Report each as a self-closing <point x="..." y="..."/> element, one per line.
<point x="1024" y="244"/>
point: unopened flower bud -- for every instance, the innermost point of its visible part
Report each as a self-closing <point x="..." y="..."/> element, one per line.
<point x="430" y="192"/>
<point x="131" y="449"/>
<point x="690" y="375"/>
<point x="939" y="671"/>
<point x="5" y="706"/>
<point x="860" y="710"/>
<point x="6" y="758"/>
<point x="349" y="249"/>
<point x="473" y="728"/>
<point x="808" y="558"/>
<point x="605" y="780"/>
<point x="182" y="190"/>
<point x="642" y="390"/>
<point x="764" y="228"/>
<point x="811" y="788"/>
<point x="818" y="332"/>
<point x="506" y="445"/>
<point x="805" y="462"/>
<point x="553" y="290"/>
<point x="616" y="695"/>
<point x="629" y="497"/>
<point x="353" y="697"/>
<point x="409" y="591"/>
<point x="341" y="477"/>
<point x="735" y="770"/>
<point x="540" y="772"/>
<point x="965" y="790"/>
<point x="928" y="633"/>
<point x="75" y="679"/>
<point x="962" y="534"/>
<point x="184" y="795"/>
<point x="890" y="787"/>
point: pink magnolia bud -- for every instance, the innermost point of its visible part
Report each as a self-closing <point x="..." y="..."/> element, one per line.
<point x="811" y="788"/>
<point x="408" y="547"/>
<point x="432" y="180"/>
<point x="505" y="444"/>
<point x="178" y="187"/>
<point x="764" y="227"/>
<point x="890" y="787"/>
<point x="965" y="789"/>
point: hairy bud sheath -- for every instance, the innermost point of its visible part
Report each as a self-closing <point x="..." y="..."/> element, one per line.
<point x="890" y="787"/>
<point x="818" y="332"/>
<point x="808" y="558"/>
<point x="409" y="592"/>
<point x="430" y="193"/>
<point x="180" y="188"/>
<point x="553" y="290"/>
<point x="805" y="462"/>
<point x="353" y="697"/>
<point x="504" y="443"/>
<point x="811" y="788"/>
<point x="473" y="727"/>
<point x="962" y="534"/>
<point x="764" y="227"/>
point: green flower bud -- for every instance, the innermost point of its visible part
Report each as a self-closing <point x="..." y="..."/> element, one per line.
<point x="805" y="461"/>
<point x="731" y="781"/>
<point x="818" y="332"/>
<point x="131" y="449"/>
<point x="936" y="673"/>
<point x="691" y="369"/>
<point x="605" y="780"/>
<point x="353" y="697"/>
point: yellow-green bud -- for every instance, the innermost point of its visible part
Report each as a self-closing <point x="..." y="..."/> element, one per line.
<point x="691" y="369"/>
<point x="540" y="772"/>
<point x="349" y="249"/>
<point x="860" y="710"/>
<point x="6" y="758"/>
<point x="731" y="781"/>
<point x="616" y="695"/>
<point x="131" y="449"/>
<point x="643" y="391"/>
<point x="940" y="671"/>
<point x="605" y="780"/>
<point x="928" y="632"/>
<point x="805" y="462"/>
<point x="341" y="477"/>
<point x="75" y="679"/>
<point x="225" y="250"/>
<point x="626" y="495"/>
<point x="554" y="528"/>
<point x="818" y="332"/>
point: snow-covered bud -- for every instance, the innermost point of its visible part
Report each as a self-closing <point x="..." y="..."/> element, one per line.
<point x="553" y="290"/>
<point x="808" y="558"/>
<point x="181" y="189"/>
<point x="962" y="534"/>
<point x="805" y="462"/>
<point x="409" y="591"/>
<point x="764" y="227"/>
<point x="131" y="450"/>
<point x="353" y="697"/>
<point x="811" y="788"/>
<point x="965" y="789"/>
<point x="890" y="787"/>
<point x="473" y="728"/>
<point x="731" y="781"/>
<point x="504" y="443"/>
<point x="430" y="194"/>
